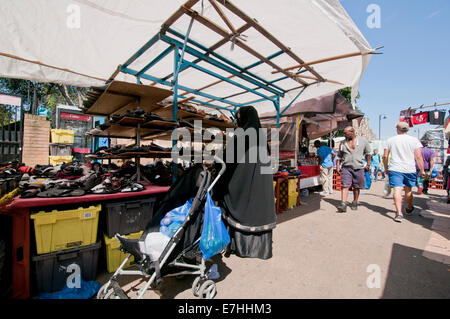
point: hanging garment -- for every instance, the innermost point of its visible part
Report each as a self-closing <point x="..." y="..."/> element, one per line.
<point x="419" y="118"/>
<point x="437" y="117"/>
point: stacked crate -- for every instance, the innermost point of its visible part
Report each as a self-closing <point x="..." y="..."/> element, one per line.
<point x="284" y="194"/>
<point x="438" y="182"/>
<point x="66" y="243"/>
<point x="128" y="219"/>
<point x="61" y="146"/>
<point x="293" y="192"/>
<point x="337" y="185"/>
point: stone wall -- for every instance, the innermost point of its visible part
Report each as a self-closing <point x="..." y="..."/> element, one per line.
<point x="364" y="130"/>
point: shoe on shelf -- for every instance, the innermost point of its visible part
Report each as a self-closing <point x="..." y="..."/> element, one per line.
<point x="354" y="205"/>
<point x="342" y="208"/>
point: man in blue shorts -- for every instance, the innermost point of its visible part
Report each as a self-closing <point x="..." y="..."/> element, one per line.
<point x="405" y="151"/>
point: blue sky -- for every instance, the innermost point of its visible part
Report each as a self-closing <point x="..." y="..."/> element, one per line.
<point x="415" y="67"/>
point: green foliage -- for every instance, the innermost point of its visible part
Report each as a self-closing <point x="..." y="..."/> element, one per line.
<point x="48" y="94"/>
<point x="347" y="93"/>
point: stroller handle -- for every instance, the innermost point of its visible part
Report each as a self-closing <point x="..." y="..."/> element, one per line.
<point x="222" y="170"/>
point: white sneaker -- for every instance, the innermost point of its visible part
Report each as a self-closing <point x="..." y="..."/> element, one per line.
<point x="323" y="193"/>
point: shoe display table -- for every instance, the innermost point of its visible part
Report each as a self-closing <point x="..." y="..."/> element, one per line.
<point x="19" y="210"/>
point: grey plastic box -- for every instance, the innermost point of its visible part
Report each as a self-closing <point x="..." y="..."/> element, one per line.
<point x="60" y="149"/>
<point x="128" y="216"/>
<point x="52" y="270"/>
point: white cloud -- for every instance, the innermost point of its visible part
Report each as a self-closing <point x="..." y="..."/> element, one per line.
<point x="432" y="15"/>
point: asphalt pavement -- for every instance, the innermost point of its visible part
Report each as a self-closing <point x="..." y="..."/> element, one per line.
<point x="320" y="253"/>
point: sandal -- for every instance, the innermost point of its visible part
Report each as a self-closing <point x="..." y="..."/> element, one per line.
<point x="134" y="187"/>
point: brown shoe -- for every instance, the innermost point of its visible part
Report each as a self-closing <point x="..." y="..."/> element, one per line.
<point x="226" y="119"/>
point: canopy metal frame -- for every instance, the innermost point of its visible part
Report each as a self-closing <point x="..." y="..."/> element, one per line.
<point x="249" y="82"/>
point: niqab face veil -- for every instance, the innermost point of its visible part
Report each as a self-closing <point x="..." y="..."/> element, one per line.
<point x="247" y="116"/>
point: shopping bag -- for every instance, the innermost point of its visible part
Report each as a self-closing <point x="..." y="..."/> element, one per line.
<point x="214" y="237"/>
<point x="368" y="180"/>
<point x="174" y="219"/>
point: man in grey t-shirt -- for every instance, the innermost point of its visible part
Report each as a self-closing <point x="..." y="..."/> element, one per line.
<point x="350" y="165"/>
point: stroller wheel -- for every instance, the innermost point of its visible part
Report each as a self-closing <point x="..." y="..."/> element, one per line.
<point x="196" y="285"/>
<point x="103" y="290"/>
<point x="207" y="290"/>
<point x="108" y="291"/>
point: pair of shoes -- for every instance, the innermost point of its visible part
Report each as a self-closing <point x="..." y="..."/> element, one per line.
<point x="398" y="218"/>
<point x="409" y="212"/>
<point x="342" y="208"/>
<point x="420" y="190"/>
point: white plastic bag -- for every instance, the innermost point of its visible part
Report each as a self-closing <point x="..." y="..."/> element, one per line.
<point x="154" y="245"/>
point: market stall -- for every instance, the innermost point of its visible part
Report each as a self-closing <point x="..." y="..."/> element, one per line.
<point x="154" y="51"/>
<point x="308" y="120"/>
<point x="436" y="138"/>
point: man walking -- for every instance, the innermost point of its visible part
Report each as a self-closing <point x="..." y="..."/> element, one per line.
<point x="403" y="149"/>
<point x="376" y="163"/>
<point x="326" y="157"/>
<point x="350" y="165"/>
<point x="428" y="163"/>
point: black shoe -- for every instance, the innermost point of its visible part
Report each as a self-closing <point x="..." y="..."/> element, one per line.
<point x="342" y="208"/>
<point x="409" y="212"/>
<point x="354" y="206"/>
<point x="425" y="191"/>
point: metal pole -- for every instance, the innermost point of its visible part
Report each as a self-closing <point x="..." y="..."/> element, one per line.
<point x="379" y="127"/>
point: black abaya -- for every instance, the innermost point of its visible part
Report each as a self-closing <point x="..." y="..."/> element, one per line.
<point x="247" y="198"/>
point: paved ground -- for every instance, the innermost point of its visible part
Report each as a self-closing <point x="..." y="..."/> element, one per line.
<point x="319" y="253"/>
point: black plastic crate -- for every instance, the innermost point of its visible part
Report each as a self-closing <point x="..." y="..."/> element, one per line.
<point x="52" y="272"/>
<point x="128" y="217"/>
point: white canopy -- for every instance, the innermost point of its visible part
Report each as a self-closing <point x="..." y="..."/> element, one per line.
<point x="82" y="42"/>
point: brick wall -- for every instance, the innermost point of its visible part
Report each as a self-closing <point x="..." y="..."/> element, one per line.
<point x="36" y="137"/>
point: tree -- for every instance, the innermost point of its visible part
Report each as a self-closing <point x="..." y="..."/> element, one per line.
<point x="37" y="93"/>
<point x="347" y="93"/>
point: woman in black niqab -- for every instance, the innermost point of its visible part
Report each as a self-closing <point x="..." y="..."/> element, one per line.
<point x="246" y="196"/>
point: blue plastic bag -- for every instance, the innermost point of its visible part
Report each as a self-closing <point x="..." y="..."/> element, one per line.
<point x="368" y="180"/>
<point x="434" y="173"/>
<point x="87" y="290"/>
<point x="174" y="219"/>
<point x="214" y="237"/>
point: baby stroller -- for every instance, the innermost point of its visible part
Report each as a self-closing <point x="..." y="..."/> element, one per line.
<point x="181" y="255"/>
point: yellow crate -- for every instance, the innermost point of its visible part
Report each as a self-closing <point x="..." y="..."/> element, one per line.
<point x="61" y="230"/>
<point x="292" y="187"/>
<point x="63" y="136"/>
<point x="56" y="160"/>
<point x="115" y="257"/>
<point x="292" y="202"/>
